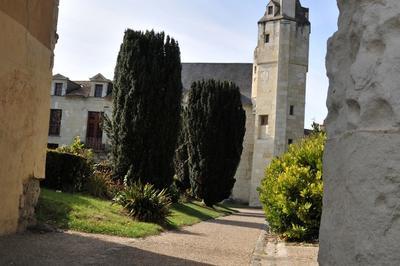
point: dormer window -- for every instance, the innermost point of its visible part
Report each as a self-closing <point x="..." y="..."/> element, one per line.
<point x="58" y="89"/>
<point x="98" y="90"/>
<point x="270" y="10"/>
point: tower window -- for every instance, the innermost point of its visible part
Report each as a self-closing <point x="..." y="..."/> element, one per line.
<point x="264" y="120"/>
<point x="291" y="110"/>
<point x="267" y="38"/>
<point x="290" y="141"/>
<point x="270" y="10"/>
<point x="255" y="69"/>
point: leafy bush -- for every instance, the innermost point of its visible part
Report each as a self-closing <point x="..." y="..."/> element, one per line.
<point x="291" y="192"/>
<point x="77" y="148"/>
<point x="66" y="172"/>
<point x="145" y="203"/>
<point x="100" y="184"/>
<point x="174" y="193"/>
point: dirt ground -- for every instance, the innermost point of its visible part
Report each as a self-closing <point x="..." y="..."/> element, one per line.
<point x="225" y="241"/>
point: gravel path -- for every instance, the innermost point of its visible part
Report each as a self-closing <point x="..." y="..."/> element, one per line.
<point x="225" y="241"/>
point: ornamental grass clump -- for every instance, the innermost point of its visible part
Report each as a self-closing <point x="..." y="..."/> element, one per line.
<point x="145" y="203"/>
<point x="291" y="192"/>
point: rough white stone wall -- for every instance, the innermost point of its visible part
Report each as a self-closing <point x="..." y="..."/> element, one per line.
<point x="361" y="214"/>
<point x="241" y="190"/>
<point x="75" y="115"/>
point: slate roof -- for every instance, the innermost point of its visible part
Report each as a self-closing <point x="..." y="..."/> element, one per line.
<point x="83" y="90"/>
<point x="239" y="73"/>
<point x="59" y="77"/>
<point x="99" y="78"/>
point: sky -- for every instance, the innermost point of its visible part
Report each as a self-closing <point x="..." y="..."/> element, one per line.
<point x="224" y="31"/>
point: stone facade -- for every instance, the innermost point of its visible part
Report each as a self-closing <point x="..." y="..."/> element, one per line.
<point x="75" y="100"/>
<point x="28" y="29"/>
<point x="279" y="82"/>
<point x="360" y="222"/>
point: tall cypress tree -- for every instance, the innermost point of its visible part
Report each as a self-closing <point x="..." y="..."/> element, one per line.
<point x="215" y="132"/>
<point x="146" y="100"/>
<point x="181" y="160"/>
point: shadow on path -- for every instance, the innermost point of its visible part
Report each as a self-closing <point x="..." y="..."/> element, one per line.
<point x="250" y="214"/>
<point x="238" y="223"/>
<point x="70" y="249"/>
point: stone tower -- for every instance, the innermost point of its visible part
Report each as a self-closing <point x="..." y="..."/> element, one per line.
<point x="279" y="82"/>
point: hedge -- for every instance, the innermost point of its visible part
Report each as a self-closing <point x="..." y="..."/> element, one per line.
<point x="66" y="172"/>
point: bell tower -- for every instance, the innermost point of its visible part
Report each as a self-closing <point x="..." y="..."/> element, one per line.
<point x="279" y="83"/>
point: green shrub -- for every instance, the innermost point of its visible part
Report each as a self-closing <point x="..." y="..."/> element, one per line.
<point x="78" y="148"/>
<point x="100" y="184"/>
<point x="145" y="203"/>
<point x="174" y="193"/>
<point x="66" y="172"/>
<point x="291" y="192"/>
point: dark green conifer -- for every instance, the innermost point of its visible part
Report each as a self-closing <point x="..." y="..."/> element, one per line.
<point x="181" y="160"/>
<point x="147" y="99"/>
<point x="215" y="131"/>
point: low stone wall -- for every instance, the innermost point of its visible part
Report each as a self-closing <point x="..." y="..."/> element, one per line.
<point x="28" y="29"/>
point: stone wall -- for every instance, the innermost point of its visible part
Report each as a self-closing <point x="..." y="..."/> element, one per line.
<point x="361" y="213"/>
<point x="241" y="190"/>
<point x="28" y="29"/>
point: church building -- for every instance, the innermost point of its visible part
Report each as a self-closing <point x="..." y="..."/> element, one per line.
<point x="273" y="95"/>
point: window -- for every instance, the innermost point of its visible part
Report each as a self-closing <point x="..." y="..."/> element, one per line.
<point x="98" y="90"/>
<point x="270" y="10"/>
<point x="255" y="69"/>
<point x="291" y="111"/>
<point x="58" y="89"/>
<point x="267" y="38"/>
<point x="52" y="146"/>
<point x="55" y="122"/>
<point x="290" y="141"/>
<point x="264" y="120"/>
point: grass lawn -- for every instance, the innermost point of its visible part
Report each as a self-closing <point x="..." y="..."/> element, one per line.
<point x="86" y="214"/>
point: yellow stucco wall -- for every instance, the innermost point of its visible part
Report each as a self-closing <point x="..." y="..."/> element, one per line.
<point x="26" y="53"/>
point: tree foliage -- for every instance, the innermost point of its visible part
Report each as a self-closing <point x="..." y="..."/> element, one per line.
<point x="147" y="99"/>
<point x="291" y="192"/>
<point x="181" y="160"/>
<point x="215" y="127"/>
